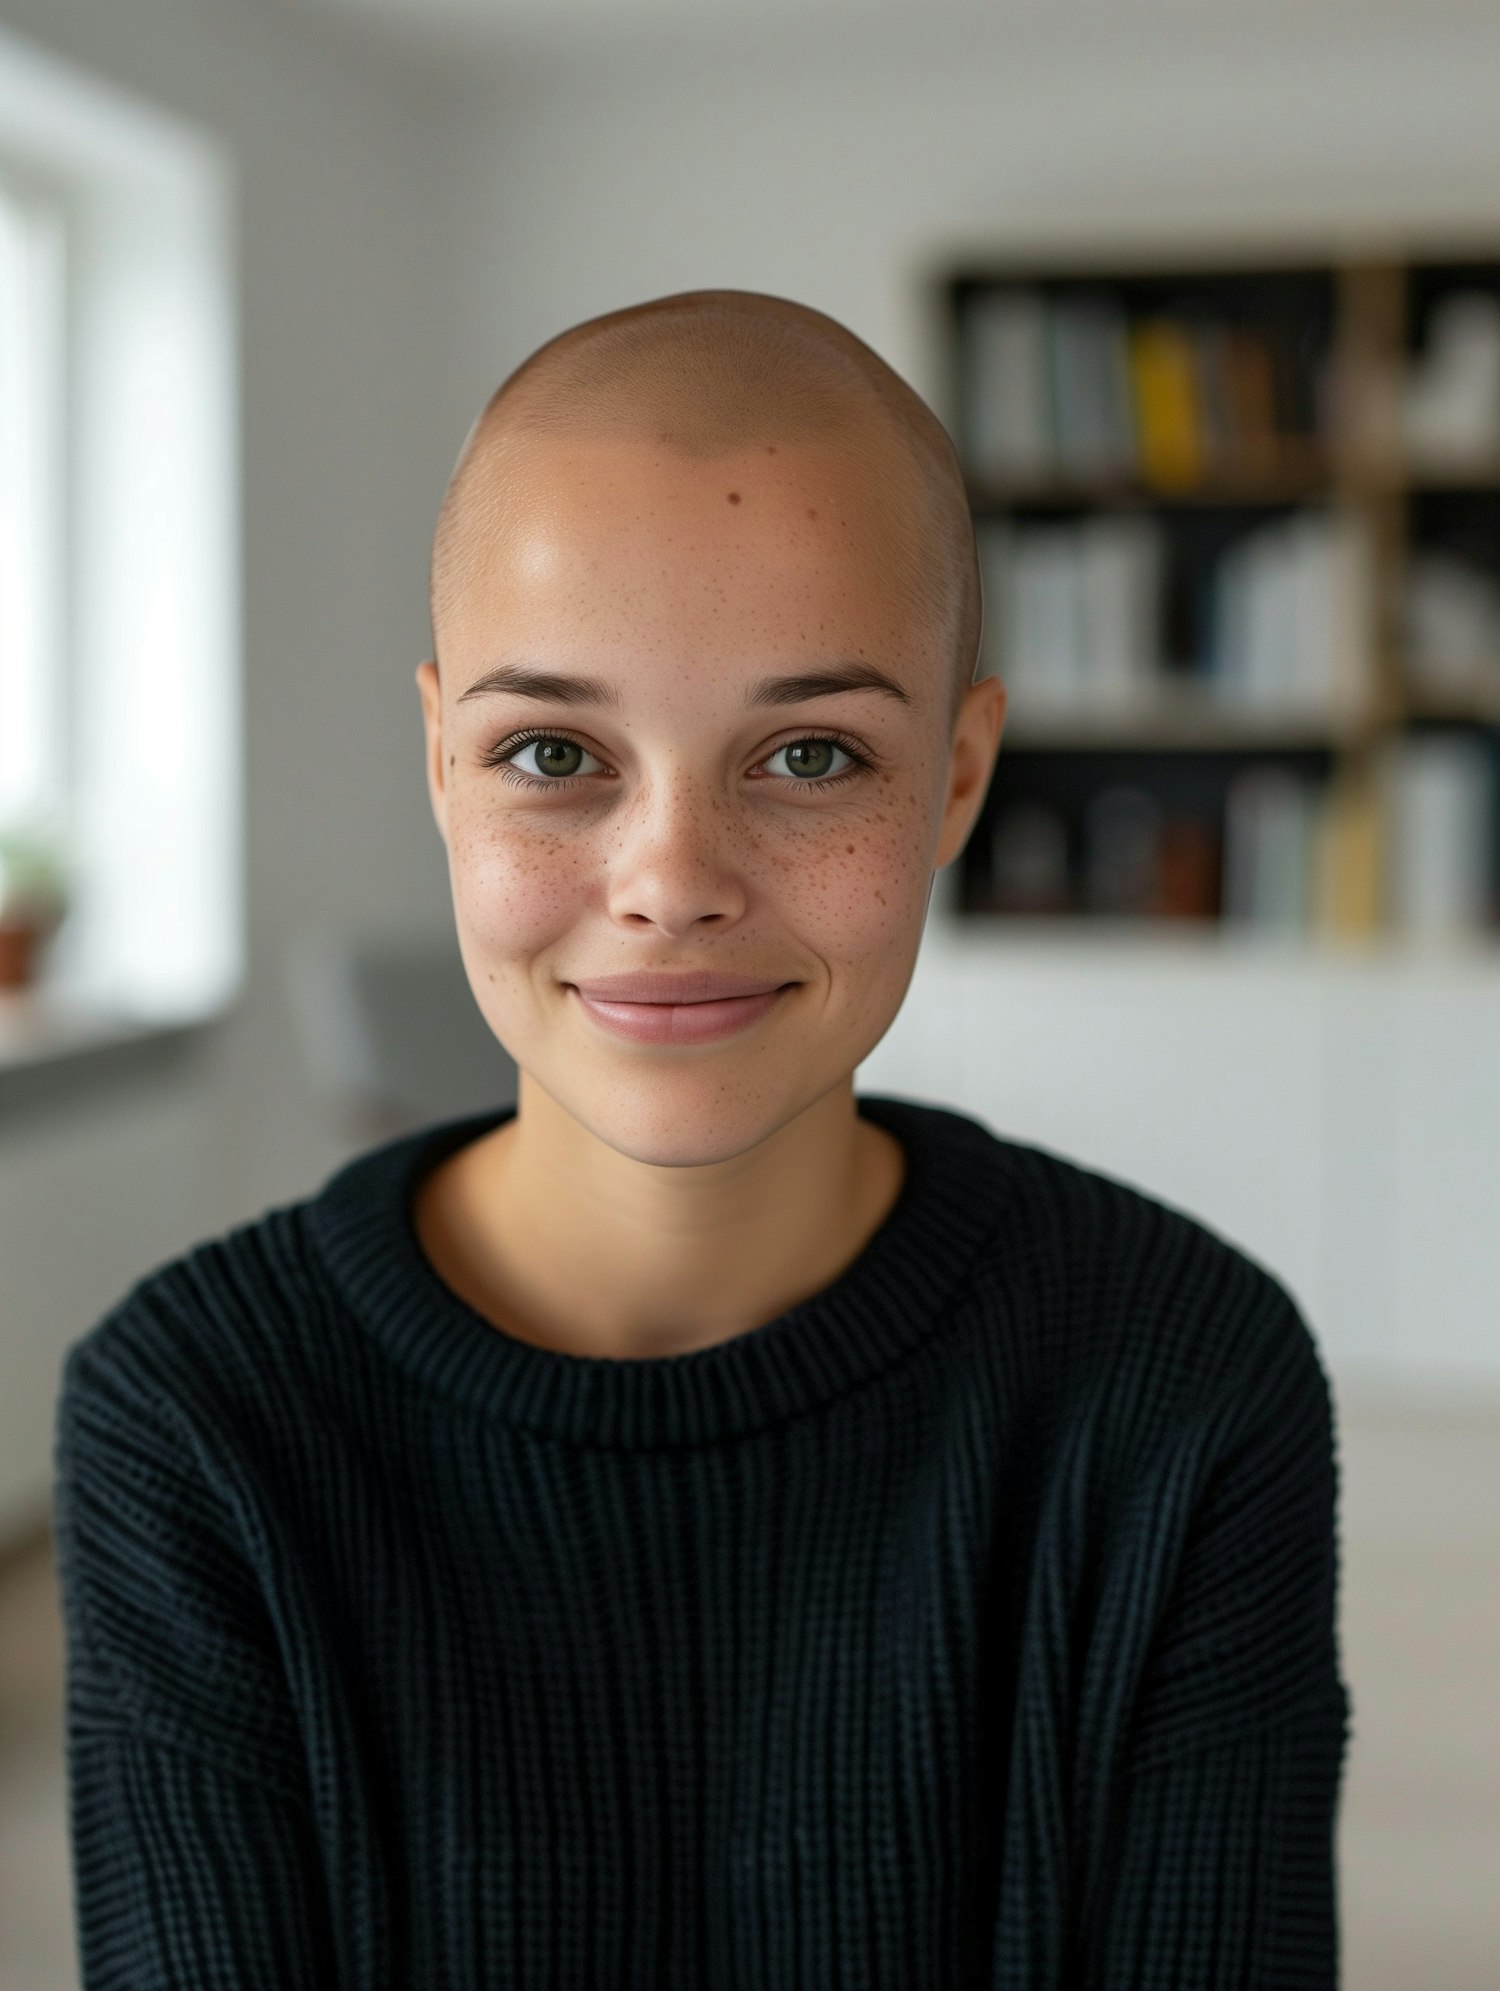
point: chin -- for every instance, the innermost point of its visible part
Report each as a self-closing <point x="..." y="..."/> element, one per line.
<point x="686" y="1119"/>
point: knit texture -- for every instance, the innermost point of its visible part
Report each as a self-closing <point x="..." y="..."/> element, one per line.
<point x="971" y="1624"/>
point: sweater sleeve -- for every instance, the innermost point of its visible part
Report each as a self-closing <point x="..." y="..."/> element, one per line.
<point x="195" y="1861"/>
<point x="187" y="1875"/>
<point x="1223" y="1867"/>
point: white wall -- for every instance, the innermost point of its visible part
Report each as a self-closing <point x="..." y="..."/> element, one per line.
<point x="837" y="172"/>
<point x="350" y="425"/>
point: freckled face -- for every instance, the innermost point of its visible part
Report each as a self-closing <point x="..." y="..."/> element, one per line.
<point x="684" y="827"/>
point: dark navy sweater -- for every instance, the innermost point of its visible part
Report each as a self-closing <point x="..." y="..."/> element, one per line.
<point x="973" y="1623"/>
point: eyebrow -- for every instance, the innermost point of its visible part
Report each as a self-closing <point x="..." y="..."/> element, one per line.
<point x="524" y="681"/>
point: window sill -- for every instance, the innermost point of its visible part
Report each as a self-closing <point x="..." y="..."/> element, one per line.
<point x="60" y="1045"/>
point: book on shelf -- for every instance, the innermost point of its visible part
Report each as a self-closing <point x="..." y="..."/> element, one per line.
<point x="1028" y="859"/>
<point x="1166" y="376"/>
<point x="1271" y="818"/>
<point x="1348" y="859"/>
<point x="1070" y="390"/>
<point x="1289" y="621"/>
<point x="1247" y="440"/>
<point x="1009" y="394"/>
<point x="1411" y="844"/>
<point x="1441" y="795"/>
<point x="1092" y="419"/>
<point x="1138" y="858"/>
<point x="1302" y="853"/>
<point x="1074" y="617"/>
<point x="1122" y="828"/>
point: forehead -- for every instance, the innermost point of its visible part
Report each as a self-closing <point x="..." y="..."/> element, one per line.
<point x="642" y="538"/>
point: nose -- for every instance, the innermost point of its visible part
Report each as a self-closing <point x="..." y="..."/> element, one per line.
<point x="678" y="860"/>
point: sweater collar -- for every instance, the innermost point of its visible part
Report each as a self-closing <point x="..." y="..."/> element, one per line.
<point x="883" y="1303"/>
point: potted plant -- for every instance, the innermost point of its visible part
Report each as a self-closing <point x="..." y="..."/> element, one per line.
<point x="35" y="893"/>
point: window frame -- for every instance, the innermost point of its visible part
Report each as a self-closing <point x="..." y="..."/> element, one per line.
<point x="148" y="735"/>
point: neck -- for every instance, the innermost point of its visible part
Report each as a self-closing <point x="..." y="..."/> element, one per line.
<point x="561" y="1240"/>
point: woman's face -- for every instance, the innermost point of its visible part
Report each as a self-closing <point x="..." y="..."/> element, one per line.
<point x="686" y="811"/>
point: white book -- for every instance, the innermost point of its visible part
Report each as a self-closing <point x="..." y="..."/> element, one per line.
<point x="1225" y="670"/>
<point x="1092" y="417"/>
<point x="1310" y="547"/>
<point x="1292" y="629"/>
<point x="1442" y="818"/>
<point x="1118" y="390"/>
<point x="1010" y="401"/>
<point x="1047" y="659"/>
<point x="1270" y="818"/>
<point x="1121" y="564"/>
<point x="1272" y="611"/>
<point x="1271" y="662"/>
<point x="1074" y="417"/>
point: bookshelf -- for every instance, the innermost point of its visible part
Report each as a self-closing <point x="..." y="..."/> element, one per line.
<point x="1239" y="525"/>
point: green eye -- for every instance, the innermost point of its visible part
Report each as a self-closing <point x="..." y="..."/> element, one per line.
<point x="809" y="759"/>
<point x="556" y="759"/>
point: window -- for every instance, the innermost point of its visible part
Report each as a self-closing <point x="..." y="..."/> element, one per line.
<point x="32" y="719"/>
<point x="119" y="540"/>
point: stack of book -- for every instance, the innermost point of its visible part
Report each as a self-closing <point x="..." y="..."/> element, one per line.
<point x="1074" y="616"/>
<point x="1302" y="854"/>
<point x="1062" y="389"/>
<point x="1138" y="858"/>
<point x="1286" y="627"/>
<point x="1073" y="611"/>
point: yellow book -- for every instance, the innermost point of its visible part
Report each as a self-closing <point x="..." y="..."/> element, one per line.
<point x="1348" y="888"/>
<point x="1169" y="421"/>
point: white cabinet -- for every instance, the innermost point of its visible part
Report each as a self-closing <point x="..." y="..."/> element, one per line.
<point x="1336" y="1114"/>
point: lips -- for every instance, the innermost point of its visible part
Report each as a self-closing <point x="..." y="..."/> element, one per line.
<point x="650" y="986"/>
<point x="677" y="1009"/>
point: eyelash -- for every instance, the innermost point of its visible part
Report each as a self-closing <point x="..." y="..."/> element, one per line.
<point x="498" y="757"/>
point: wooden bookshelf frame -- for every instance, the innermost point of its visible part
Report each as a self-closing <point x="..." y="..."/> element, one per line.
<point x="1363" y="470"/>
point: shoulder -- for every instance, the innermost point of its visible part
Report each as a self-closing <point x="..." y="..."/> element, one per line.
<point x="198" y="1333"/>
<point x="250" y="1334"/>
<point x="1107" y="1283"/>
<point x="169" y="1408"/>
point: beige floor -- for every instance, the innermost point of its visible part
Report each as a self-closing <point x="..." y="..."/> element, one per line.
<point x="1420" y="1831"/>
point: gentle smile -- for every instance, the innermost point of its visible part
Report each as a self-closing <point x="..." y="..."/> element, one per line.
<point x="672" y="1016"/>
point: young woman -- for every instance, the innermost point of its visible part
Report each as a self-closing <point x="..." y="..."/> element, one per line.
<point x="703" y="1527"/>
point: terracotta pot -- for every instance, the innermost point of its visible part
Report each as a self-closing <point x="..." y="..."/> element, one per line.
<point x="21" y="947"/>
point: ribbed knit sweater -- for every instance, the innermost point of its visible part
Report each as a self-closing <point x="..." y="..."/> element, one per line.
<point x="970" y="1624"/>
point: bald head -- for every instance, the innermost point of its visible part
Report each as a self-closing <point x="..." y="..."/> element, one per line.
<point x="708" y="371"/>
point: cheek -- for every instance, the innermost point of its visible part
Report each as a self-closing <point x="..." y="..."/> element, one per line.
<point x="859" y="888"/>
<point x="515" y="886"/>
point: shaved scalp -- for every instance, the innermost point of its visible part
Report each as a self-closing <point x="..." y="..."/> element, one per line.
<point x="706" y="372"/>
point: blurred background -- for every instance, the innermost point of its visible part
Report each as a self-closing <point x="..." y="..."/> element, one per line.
<point x="1209" y="297"/>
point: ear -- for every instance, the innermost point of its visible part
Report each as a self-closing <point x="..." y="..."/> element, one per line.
<point x="976" y="741"/>
<point x="432" y="725"/>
